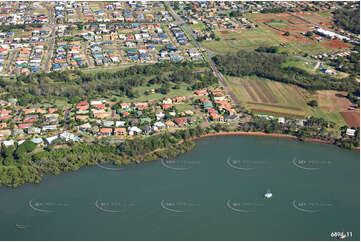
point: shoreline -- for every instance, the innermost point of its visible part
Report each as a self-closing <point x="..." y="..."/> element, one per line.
<point x="262" y="134"/>
<point x="182" y="147"/>
<point x="243" y="133"/>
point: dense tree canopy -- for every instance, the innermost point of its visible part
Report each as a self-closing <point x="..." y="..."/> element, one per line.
<point x="32" y="88"/>
<point x="348" y="19"/>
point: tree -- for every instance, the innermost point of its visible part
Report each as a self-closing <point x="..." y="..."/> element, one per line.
<point x="313" y="103"/>
<point x="309" y="33"/>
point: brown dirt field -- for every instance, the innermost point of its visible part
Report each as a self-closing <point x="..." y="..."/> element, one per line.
<point x="280" y="113"/>
<point x="329" y="102"/>
<point x="224" y="32"/>
<point x="294" y="36"/>
<point x="259" y="94"/>
<point x="269" y="95"/>
<point x="335" y="44"/>
<point x="352" y="118"/>
<point x="299" y="38"/>
<point x="296" y="24"/>
<point x="317" y="19"/>
<point x="285" y="136"/>
<point x="276" y="106"/>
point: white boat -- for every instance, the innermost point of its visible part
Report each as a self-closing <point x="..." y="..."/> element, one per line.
<point x="268" y="194"/>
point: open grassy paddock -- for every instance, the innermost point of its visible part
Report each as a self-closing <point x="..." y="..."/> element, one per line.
<point x="270" y="32"/>
<point x="248" y="39"/>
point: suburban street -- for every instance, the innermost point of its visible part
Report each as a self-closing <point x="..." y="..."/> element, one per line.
<point x="90" y="62"/>
<point x="220" y="77"/>
<point x="13" y="53"/>
<point x="52" y="40"/>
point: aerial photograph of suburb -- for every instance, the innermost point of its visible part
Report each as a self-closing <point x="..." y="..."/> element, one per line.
<point x="179" y="120"/>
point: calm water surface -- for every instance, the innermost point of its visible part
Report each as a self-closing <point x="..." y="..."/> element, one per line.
<point x="214" y="192"/>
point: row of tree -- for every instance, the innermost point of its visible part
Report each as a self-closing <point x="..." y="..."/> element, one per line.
<point x="264" y="63"/>
<point x="348" y="19"/>
<point x="21" y="164"/>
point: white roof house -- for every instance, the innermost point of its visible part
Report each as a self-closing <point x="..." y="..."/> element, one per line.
<point x="350" y="132"/>
<point x="119" y="123"/>
<point x="134" y="129"/>
<point x="8" y="142"/>
<point x="281" y="120"/>
<point x="51" y="139"/>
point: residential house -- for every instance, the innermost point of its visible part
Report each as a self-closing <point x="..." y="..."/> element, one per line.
<point x="181" y="121"/>
<point x="49" y="127"/>
<point x="37" y="140"/>
<point x="120" y="132"/>
<point x="81" y="117"/>
<point x="85" y="126"/>
<point x="69" y="136"/>
<point x="350" y="132"/>
<point x="50" y="140"/>
<point x="102" y="115"/>
<point x="5" y="132"/>
<point x="167" y="106"/>
<point x="169" y="123"/>
<point x="119" y="123"/>
<point x="34" y="130"/>
<point x="201" y="93"/>
<point x="105" y="131"/>
<point x="8" y="142"/>
<point x="134" y="130"/>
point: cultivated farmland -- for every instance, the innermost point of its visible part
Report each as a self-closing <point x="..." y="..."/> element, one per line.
<point x="352" y="118"/>
<point x="274" y="98"/>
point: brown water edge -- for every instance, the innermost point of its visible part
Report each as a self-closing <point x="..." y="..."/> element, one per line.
<point x="262" y="134"/>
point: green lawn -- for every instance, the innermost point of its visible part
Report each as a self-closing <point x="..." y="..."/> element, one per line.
<point x="183" y="106"/>
<point x="296" y="62"/>
<point x="155" y="96"/>
<point x="262" y="36"/>
<point x="198" y="26"/>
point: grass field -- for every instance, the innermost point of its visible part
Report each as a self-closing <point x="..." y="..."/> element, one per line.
<point x="198" y="26"/>
<point x="109" y="70"/>
<point x="184" y="106"/>
<point x="296" y="62"/>
<point x="182" y="91"/>
<point x="278" y="99"/>
<point x="245" y="39"/>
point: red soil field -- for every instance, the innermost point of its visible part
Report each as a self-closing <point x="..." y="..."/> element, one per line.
<point x="336" y="44"/>
<point x="352" y="118"/>
<point x="280" y="113"/>
<point x="276" y="106"/>
<point x="269" y="95"/>
<point x="224" y="32"/>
